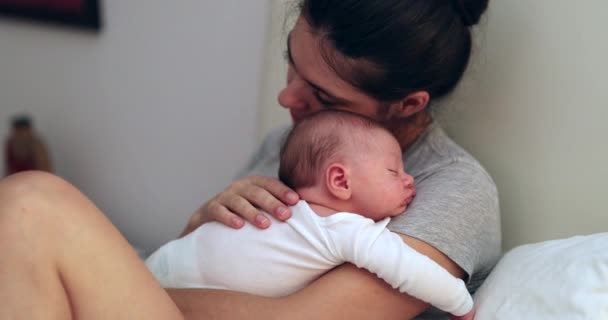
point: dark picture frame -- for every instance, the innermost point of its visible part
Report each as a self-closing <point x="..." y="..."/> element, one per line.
<point x="76" y="13"/>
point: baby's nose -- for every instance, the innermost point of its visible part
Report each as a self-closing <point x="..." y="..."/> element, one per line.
<point x="408" y="181"/>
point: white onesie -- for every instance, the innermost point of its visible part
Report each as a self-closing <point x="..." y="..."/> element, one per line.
<point x="287" y="256"/>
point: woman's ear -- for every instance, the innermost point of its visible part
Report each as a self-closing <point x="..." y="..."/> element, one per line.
<point x="411" y="104"/>
<point x="338" y="181"/>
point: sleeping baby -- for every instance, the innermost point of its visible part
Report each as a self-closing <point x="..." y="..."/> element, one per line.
<point x="349" y="172"/>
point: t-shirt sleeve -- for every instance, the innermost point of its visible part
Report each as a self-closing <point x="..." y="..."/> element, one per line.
<point x="456" y="211"/>
<point x="371" y="246"/>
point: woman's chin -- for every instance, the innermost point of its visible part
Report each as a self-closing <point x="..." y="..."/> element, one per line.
<point x="294" y="118"/>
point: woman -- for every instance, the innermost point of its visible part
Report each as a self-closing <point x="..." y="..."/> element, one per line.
<point x="385" y="59"/>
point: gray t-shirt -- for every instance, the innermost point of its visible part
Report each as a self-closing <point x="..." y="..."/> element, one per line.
<point x="455" y="210"/>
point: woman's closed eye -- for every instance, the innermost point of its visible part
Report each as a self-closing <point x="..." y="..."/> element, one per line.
<point x="328" y="103"/>
<point x="324" y="101"/>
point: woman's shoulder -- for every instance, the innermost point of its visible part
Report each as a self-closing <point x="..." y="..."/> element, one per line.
<point x="275" y="137"/>
<point x="456" y="209"/>
<point x="436" y="152"/>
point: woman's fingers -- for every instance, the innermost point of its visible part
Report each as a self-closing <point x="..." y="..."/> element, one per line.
<point x="272" y="196"/>
<point x="227" y="217"/>
<point x="244" y="207"/>
<point x="278" y="189"/>
<point x="246" y="200"/>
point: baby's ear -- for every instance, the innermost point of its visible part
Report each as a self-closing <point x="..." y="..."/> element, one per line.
<point x="337" y="181"/>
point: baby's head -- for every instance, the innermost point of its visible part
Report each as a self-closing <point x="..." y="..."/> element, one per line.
<point x="348" y="163"/>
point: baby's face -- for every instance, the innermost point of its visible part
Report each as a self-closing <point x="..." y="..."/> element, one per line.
<point x="381" y="188"/>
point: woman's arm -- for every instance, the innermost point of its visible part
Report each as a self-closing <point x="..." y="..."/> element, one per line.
<point x="370" y="246"/>
<point x="343" y="293"/>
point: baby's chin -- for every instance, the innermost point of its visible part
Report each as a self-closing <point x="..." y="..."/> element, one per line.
<point x="399" y="211"/>
<point x="388" y="214"/>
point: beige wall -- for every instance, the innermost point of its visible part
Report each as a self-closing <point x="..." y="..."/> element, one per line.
<point x="533" y="109"/>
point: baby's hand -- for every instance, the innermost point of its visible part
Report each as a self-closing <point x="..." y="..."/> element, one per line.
<point x="468" y="316"/>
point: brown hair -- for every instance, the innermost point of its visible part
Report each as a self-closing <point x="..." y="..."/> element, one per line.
<point x="411" y="45"/>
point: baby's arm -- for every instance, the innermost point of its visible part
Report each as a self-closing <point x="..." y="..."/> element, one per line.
<point x="174" y="265"/>
<point x="371" y="246"/>
<point x="158" y="265"/>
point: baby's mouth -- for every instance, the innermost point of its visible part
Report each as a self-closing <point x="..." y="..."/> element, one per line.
<point x="410" y="198"/>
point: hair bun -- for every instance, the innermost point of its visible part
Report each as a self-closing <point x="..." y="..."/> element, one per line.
<point x="470" y="11"/>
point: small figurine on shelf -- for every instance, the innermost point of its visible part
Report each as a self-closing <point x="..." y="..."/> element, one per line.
<point x="24" y="149"/>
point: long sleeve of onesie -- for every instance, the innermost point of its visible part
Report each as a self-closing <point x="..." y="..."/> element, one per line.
<point x="371" y="246"/>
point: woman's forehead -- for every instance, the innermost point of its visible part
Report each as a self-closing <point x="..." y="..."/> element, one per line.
<point x="306" y="49"/>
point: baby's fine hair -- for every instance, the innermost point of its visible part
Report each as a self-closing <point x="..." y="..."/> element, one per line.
<point x="318" y="139"/>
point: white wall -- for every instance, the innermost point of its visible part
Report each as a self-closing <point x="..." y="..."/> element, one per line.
<point x="534" y="110"/>
<point x="282" y="17"/>
<point x="152" y="116"/>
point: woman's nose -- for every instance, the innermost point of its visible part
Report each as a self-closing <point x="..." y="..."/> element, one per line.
<point x="293" y="96"/>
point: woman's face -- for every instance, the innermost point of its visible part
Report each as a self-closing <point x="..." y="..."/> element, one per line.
<point x="312" y="85"/>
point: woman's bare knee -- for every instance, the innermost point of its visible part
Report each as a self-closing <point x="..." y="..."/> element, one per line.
<point x="42" y="217"/>
<point x="30" y="240"/>
<point x="31" y="183"/>
<point x="32" y="187"/>
<point x="37" y="204"/>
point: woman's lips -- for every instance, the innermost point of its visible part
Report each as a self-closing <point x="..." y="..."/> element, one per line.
<point x="295" y="117"/>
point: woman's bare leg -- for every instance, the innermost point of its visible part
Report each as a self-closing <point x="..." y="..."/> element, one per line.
<point x="60" y="258"/>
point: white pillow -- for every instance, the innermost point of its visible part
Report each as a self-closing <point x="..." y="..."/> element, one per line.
<point x="559" y="279"/>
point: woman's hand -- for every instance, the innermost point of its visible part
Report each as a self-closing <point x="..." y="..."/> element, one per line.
<point x="244" y="199"/>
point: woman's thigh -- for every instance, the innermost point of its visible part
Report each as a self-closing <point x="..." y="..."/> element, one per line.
<point x="62" y="256"/>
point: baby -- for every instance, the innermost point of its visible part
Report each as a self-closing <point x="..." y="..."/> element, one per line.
<point x="349" y="172"/>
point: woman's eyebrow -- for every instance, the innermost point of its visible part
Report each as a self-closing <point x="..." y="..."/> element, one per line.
<point x="315" y="86"/>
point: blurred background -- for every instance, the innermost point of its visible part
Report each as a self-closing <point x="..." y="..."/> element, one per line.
<point x="150" y="116"/>
<point x="155" y="113"/>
